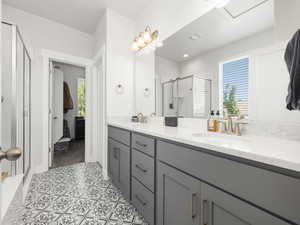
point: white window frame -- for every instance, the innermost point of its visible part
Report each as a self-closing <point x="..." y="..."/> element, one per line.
<point x="221" y="89"/>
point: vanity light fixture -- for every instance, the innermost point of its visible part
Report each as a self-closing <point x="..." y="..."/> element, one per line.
<point x="147" y="41"/>
<point x="185" y="55"/>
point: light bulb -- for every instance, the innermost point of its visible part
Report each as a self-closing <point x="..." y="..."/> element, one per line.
<point x="147" y="35"/>
<point x="135" y="46"/>
<point x="141" y="43"/>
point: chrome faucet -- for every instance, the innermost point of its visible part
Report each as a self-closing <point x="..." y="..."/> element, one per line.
<point x="142" y="118"/>
<point x="234" y="127"/>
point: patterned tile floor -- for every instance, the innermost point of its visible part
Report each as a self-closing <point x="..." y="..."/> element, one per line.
<point x="74" y="195"/>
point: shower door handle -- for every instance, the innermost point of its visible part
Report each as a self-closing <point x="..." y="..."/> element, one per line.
<point x="12" y="154"/>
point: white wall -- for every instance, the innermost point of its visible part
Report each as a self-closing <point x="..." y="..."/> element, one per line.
<point x="39" y="33"/>
<point x="71" y="76"/>
<point x="119" y="64"/>
<point x="166" y="69"/>
<point x="287" y="18"/>
<point x="101" y="33"/>
<point x="207" y="64"/>
<point x="168" y="17"/>
<point x="144" y="79"/>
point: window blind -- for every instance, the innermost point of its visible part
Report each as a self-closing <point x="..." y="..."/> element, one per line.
<point x="236" y="74"/>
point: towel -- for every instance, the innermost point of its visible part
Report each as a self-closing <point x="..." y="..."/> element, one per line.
<point x="292" y="59"/>
<point x="68" y="102"/>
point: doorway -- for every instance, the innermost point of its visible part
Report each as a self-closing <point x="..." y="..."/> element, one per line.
<point x="67" y="105"/>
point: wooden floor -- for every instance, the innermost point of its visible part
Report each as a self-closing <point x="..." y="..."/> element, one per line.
<point x="74" y="155"/>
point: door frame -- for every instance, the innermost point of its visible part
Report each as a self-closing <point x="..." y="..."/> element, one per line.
<point x="101" y="131"/>
<point x="49" y="55"/>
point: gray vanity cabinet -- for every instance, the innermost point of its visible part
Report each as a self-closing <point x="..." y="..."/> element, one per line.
<point x="178" y="197"/>
<point x="113" y="162"/>
<point x="124" y="172"/>
<point x="119" y="162"/>
<point x="220" y="208"/>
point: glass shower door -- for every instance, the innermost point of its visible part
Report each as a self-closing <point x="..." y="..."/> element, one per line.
<point x="14" y="119"/>
<point x="15" y="102"/>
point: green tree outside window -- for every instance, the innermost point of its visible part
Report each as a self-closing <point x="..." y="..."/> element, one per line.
<point x="81" y="96"/>
<point x="229" y="100"/>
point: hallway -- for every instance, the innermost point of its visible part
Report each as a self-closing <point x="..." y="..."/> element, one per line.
<point x="74" y="195"/>
<point x="74" y="154"/>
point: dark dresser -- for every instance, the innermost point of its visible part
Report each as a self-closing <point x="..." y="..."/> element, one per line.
<point x="79" y="127"/>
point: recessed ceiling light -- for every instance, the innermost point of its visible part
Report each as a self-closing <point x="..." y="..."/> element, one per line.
<point x="185" y="55"/>
<point x="194" y="37"/>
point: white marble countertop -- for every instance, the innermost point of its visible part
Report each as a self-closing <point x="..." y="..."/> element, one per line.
<point x="269" y="150"/>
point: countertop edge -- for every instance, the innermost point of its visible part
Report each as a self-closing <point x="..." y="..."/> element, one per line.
<point x="273" y="162"/>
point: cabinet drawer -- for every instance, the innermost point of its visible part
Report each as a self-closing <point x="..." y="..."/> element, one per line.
<point x="143" y="169"/>
<point x="143" y="143"/>
<point x="272" y="191"/>
<point x="143" y="200"/>
<point x="122" y="136"/>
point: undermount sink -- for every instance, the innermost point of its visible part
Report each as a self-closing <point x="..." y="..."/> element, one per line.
<point x="201" y="134"/>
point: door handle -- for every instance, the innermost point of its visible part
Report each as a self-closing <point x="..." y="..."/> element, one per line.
<point x="194" y="208"/>
<point x="55" y="117"/>
<point x="205" y="212"/>
<point x="11" y="155"/>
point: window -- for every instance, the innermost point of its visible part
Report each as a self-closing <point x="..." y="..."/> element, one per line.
<point x="81" y="96"/>
<point x="234" y="82"/>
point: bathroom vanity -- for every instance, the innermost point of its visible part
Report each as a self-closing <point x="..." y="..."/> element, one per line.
<point x="174" y="177"/>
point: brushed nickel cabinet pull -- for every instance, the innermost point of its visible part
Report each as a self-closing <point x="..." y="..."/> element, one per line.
<point x="116" y="153"/>
<point x="194" y="207"/>
<point x="140" y="200"/>
<point x="140" y="168"/>
<point x="205" y="212"/>
<point x="141" y="144"/>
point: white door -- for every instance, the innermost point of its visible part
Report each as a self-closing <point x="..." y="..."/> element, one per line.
<point x="58" y="105"/>
<point x="14" y="121"/>
<point x="56" y="108"/>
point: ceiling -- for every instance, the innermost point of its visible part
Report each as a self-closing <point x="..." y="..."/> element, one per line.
<point x="83" y="15"/>
<point x="220" y="27"/>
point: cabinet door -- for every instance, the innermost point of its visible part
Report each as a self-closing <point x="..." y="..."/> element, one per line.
<point x="124" y="157"/>
<point x="178" y="197"/>
<point x="113" y="153"/>
<point x="220" y="208"/>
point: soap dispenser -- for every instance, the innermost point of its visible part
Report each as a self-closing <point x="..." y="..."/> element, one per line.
<point x="212" y="122"/>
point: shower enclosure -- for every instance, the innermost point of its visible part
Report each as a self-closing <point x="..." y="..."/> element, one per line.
<point x="15" y="100"/>
<point x="187" y="97"/>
